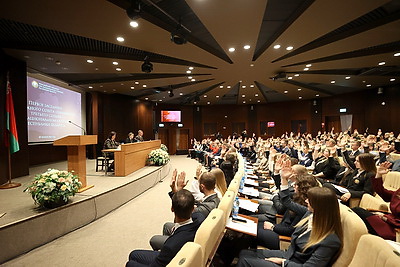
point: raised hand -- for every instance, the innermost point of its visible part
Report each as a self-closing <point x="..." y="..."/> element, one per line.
<point x="382" y="169"/>
<point x="181" y="181"/>
<point x="199" y="171"/>
<point x="172" y="184"/>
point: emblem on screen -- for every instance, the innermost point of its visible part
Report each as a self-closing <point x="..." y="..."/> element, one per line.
<point x="35" y="84"/>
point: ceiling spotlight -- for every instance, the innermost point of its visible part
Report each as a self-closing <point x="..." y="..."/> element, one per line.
<point x="228" y="86"/>
<point x="188" y="71"/>
<point x="217" y="96"/>
<point x="243" y="86"/>
<point x="147" y="67"/>
<point x="208" y="103"/>
<point x="246" y="47"/>
<point x="136" y="82"/>
<point x="190" y="77"/>
<point x="252" y="65"/>
<point x="382" y="63"/>
<point x="232" y="49"/>
<point x="290" y="77"/>
<point x="144" y="85"/>
<point x="177" y="36"/>
<point x="317" y="95"/>
<point x="180" y="93"/>
<point x="333" y="81"/>
<point x="115" y="63"/>
<point x="299" y="89"/>
<point x="120" y="39"/>
<point x="306" y="69"/>
<point x="132" y="87"/>
<point x="289" y="48"/>
<point x="146" y="98"/>
<point x="277" y="46"/>
<point x="133" y="11"/>
<point x="90" y="87"/>
<point x="193" y="80"/>
<point x="170" y="93"/>
<point x="396" y="54"/>
<point x="191" y="68"/>
<point x="256" y="95"/>
<point x="258" y="101"/>
<point x="300" y="97"/>
<point x="285" y="92"/>
<point x="118" y="69"/>
<point x="347" y="77"/>
<point x="221" y="86"/>
<point x="204" y="95"/>
<point x="308" y="65"/>
<point x="297" y="75"/>
<point x="243" y="95"/>
<point x="89" y="61"/>
<point x="369" y="85"/>
<point x="134" y="24"/>
<point x="392" y="80"/>
<point x="251" y="85"/>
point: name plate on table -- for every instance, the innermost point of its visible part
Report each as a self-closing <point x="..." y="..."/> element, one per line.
<point x="249" y="227"/>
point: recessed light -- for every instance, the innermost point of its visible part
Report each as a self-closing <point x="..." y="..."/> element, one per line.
<point x="228" y="86"/>
<point x="160" y="100"/>
<point x="308" y="65"/>
<point x="49" y="58"/>
<point x="258" y="101"/>
<point x="193" y="80"/>
<point x="297" y="75"/>
<point x="188" y="71"/>
<point x="243" y="86"/>
<point x="27" y="56"/>
<point x="191" y="68"/>
<point x="363" y="81"/>
<point x="251" y="85"/>
<point x="244" y="102"/>
<point x="317" y="95"/>
<point x="256" y="95"/>
<point x="290" y="77"/>
<point x="144" y="85"/>
<point x="115" y="63"/>
<point x="285" y="92"/>
<point x="300" y="97"/>
<point x="204" y="95"/>
<point x="277" y="46"/>
<point x="392" y="80"/>
<point x="89" y="61"/>
<point x="180" y="93"/>
<point x="132" y="87"/>
<point x="396" y="54"/>
<point x="383" y="103"/>
<point x="118" y="69"/>
<point x="347" y="77"/>
<point x="114" y="90"/>
<point x="120" y="39"/>
<point x="101" y="86"/>
<point x="96" y="69"/>
<point x="221" y="86"/>
<point x="289" y="48"/>
<point x="65" y="68"/>
<point x="369" y="85"/>
<point x="306" y="69"/>
<point x="217" y="96"/>
<point x="146" y="98"/>
<point x="90" y="87"/>
<point x="246" y="47"/>
<point x="252" y="65"/>
<point x="299" y="89"/>
<point x="122" y="84"/>
<point x="208" y="103"/>
<point x="190" y="77"/>
<point x="243" y="95"/>
<point x="134" y="24"/>
<point x="333" y="81"/>
<point x="231" y="49"/>
<point x="136" y="82"/>
<point x="382" y="63"/>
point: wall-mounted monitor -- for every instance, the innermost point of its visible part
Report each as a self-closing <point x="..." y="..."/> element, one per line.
<point x="170" y="116"/>
<point x="270" y="124"/>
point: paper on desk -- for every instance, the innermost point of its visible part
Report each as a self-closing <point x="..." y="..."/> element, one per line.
<point x="250" y="227"/>
<point x="250" y="182"/>
<point x="248" y="205"/>
<point x="252" y="176"/>
<point x="341" y="189"/>
<point x="250" y="191"/>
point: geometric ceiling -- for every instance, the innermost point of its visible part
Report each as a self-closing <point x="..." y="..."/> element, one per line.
<point x="337" y="47"/>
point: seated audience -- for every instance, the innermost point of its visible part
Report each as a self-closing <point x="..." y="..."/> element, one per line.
<point x="317" y="240"/>
<point x="220" y="185"/>
<point x="139" y="136"/>
<point x="130" y="138"/>
<point x="379" y="223"/>
<point x="110" y="143"/>
<point x="227" y="166"/>
<point x="185" y="227"/>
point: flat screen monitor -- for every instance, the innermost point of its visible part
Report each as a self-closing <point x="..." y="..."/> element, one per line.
<point x="270" y="124"/>
<point x="170" y="116"/>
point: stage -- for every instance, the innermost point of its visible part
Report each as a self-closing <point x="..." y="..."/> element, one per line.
<point x="109" y="192"/>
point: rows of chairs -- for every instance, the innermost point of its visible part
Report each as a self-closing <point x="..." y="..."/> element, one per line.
<point x="359" y="247"/>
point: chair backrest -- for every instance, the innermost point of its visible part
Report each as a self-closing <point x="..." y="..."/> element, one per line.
<point x="392" y="181"/>
<point x="210" y="233"/>
<point x="226" y="204"/>
<point x="353" y="229"/>
<point x="370" y="202"/>
<point x="189" y="255"/>
<point x="234" y="186"/>
<point x="374" y="251"/>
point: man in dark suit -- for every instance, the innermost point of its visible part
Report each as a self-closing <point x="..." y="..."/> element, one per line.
<point x="184" y="230"/>
<point x="139" y="136"/>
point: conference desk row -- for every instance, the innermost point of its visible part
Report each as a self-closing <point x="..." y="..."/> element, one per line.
<point x="132" y="157"/>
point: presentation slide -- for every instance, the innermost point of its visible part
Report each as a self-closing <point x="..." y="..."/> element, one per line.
<point x="170" y="116"/>
<point x="50" y="110"/>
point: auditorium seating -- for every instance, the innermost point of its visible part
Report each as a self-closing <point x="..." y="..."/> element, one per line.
<point x="353" y="229"/>
<point x="373" y="202"/>
<point x="391" y="181"/>
<point x="373" y="251"/>
<point x="190" y="255"/>
<point x="226" y="204"/>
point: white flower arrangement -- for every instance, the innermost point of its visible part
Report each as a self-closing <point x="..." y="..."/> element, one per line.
<point x="53" y="186"/>
<point x="164" y="147"/>
<point x="158" y="157"/>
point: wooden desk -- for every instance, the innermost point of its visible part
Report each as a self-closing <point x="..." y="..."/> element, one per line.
<point x="245" y="231"/>
<point x="132" y="157"/>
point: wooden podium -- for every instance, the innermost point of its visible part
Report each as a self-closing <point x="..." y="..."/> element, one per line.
<point x="77" y="155"/>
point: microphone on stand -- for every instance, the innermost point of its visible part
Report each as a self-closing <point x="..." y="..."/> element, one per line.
<point x="84" y="132"/>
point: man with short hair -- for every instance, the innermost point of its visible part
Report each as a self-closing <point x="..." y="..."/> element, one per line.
<point x="139" y="136"/>
<point x="186" y="224"/>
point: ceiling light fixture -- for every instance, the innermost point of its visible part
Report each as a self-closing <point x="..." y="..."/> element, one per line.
<point x="191" y="68"/>
<point x="115" y="63"/>
<point x="246" y="47"/>
<point x="228" y="87"/>
<point x="297" y="75"/>
<point x="306" y="69"/>
<point x="120" y="39"/>
<point x="299" y="89"/>
<point x="177" y="36"/>
<point x="134" y="24"/>
<point x="252" y="65"/>
<point x="300" y="97"/>
<point x="136" y="82"/>
<point x="256" y="95"/>
<point x="382" y="63"/>
<point x="369" y="85"/>
<point x="134" y="10"/>
<point x="243" y="95"/>
<point x="89" y="61"/>
<point x="132" y="87"/>
<point x="90" y="87"/>
<point x="251" y="85"/>
<point x="317" y="95"/>
<point x="147" y="67"/>
<point x="146" y="98"/>
<point x="170" y="93"/>
<point x="392" y="80"/>
<point x="396" y="54"/>
<point x="221" y="86"/>
<point x="144" y="85"/>
<point x="290" y="77"/>
<point x="180" y="93"/>
<point x="347" y="77"/>
<point x="277" y="46"/>
<point x="193" y="80"/>
<point x="285" y="92"/>
<point x="204" y="95"/>
<point x="333" y="81"/>
<point x="190" y="77"/>
<point x="289" y="48"/>
<point x="243" y="86"/>
<point x="188" y="71"/>
<point x="118" y="69"/>
<point x="231" y="49"/>
<point x="217" y="96"/>
<point x="308" y="65"/>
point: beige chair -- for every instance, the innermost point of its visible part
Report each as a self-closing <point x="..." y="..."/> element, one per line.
<point x="391" y="181"/>
<point x="353" y="229"/>
<point x="234" y="186"/>
<point x="369" y="202"/>
<point x="189" y="255"/>
<point x="226" y="204"/>
<point x="394" y="156"/>
<point x="210" y="234"/>
<point x="373" y="251"/>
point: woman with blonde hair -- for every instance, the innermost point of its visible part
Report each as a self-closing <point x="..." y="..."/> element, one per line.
<point x="317" y="240"/>
<point x="220" y="184"/>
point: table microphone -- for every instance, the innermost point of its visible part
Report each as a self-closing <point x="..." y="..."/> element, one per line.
<point x="84" y="132"/>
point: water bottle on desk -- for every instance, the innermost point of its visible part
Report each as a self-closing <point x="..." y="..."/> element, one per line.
<point x="235" y="210"/>
<point x="241" y="185"/>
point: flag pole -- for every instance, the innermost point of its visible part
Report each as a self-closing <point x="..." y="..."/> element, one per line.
<point x="10" y="184"/>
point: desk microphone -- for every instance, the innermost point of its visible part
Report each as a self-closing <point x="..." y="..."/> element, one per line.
<point x="84" y="132"/>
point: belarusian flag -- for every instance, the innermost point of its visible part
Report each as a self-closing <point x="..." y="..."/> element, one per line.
<point x="10" y="120"/>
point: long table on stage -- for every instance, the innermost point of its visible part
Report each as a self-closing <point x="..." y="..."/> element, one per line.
<point x="132" y="157"/>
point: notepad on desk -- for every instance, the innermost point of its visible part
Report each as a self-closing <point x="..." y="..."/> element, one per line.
<point x="250" y="191"/>
<point x="250" y="182"/>
<point x="249" y="227"/>
<point x="248" y="205"/>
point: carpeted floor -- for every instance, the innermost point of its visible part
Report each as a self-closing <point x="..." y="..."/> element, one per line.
<point x="109" y="240"/>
